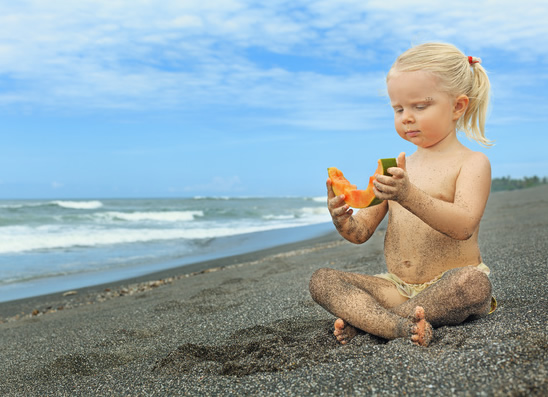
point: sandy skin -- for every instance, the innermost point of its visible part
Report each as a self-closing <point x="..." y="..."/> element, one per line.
<point x="420" y="330"/>
<point x="434" y="200"/>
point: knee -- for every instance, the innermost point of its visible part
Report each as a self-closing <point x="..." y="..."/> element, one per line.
<point x="319" y="281"/>
<point x="474" y="285"/>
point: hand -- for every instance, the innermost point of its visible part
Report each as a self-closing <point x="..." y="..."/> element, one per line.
<point x="339" y="210"/>
<point x="395" y="187"/>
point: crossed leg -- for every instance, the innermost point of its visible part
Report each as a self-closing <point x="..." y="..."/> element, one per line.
<point x="420" y="333"/>
<point x="374" y="305"/>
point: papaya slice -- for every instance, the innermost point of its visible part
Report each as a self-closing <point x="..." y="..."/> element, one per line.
<point x="355" y="197"/>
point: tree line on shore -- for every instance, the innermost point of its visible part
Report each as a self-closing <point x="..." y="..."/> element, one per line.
<point x="507" y="183"/>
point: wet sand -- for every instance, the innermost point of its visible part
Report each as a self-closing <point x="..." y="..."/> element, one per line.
<point x="247" y="326"/>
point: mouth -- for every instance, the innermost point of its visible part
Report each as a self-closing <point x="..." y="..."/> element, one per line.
<point x="412" y="133"/>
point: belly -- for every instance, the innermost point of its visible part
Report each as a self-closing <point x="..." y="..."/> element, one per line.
<point x="417" y="253"/>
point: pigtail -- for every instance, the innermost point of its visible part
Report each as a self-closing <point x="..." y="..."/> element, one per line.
<point x="473" y="120"/>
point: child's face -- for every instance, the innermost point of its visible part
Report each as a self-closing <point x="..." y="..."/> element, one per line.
<point x="423" y="114"/>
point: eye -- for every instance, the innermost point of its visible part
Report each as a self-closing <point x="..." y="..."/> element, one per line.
<point x="398" y="110"/>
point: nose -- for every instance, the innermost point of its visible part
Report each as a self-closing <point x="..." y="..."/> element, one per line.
<point x="407" y="118"/>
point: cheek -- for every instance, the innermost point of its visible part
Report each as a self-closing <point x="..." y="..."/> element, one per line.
<point x="430" y="125"/>
<point x="397" y="123"/>
<point x="399" y="129"/>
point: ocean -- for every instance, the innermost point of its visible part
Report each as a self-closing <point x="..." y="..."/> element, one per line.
<point x="50" y="246"/>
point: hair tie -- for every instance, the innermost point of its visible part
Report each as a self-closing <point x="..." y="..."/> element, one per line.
<point x="472" y="60"/>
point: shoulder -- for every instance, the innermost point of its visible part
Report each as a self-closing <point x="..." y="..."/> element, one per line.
<point x="475" y="167"/>
<point x="475" y="160"/>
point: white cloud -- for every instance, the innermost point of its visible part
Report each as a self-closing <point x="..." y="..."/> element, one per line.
<point x="147" y="55"/>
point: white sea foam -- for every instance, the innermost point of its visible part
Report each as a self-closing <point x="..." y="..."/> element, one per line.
<point x="24" y="238"/>
<point x="315" y="212"/>
<point x="79" y="205"/>
<point x="23" y="205"/>
<point x="211" y="198"/>
<point x="157" y="216"/>
<point x="278" y="217"/>
<point x="11" y="206"/>
<point x="320" y="199"/>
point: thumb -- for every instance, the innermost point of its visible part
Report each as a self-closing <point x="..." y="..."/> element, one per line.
<point x="401" y="161"/>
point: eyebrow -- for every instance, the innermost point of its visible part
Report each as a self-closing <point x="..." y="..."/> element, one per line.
<point x="428" y="99"/>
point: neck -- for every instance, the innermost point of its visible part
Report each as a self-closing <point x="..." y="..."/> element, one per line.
<point x="449" y="143"/>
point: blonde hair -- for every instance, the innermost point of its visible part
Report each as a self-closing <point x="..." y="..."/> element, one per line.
<point x="459" y="75"/>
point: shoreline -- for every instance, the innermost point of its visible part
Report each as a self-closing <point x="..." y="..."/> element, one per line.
<point x="50" y="302"/>
<point x="47" y="247"/>
<point x="222" y="247"/>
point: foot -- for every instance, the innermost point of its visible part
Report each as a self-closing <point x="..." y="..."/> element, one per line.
<point x="421" y="331"/>
<point x="344" y="332"/>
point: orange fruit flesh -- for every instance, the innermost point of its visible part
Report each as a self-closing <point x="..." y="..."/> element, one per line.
<point x="355" y="197"/>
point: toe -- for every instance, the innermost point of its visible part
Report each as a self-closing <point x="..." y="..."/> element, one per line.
<point x="419" y="313"/>
<point x="339" y="323"/>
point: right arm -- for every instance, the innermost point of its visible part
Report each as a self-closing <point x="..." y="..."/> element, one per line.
<point x="355" y="228"/>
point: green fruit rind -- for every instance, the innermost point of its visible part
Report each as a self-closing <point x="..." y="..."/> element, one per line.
<point x="375" y="201"/>
<point x="386" y="164"/>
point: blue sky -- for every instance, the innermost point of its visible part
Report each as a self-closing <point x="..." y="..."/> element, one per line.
<point x="181" y="98"/>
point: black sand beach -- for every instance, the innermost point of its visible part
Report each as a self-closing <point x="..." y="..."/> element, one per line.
<point x="248" y="326"/>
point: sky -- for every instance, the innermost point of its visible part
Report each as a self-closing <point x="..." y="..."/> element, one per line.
<point x="184" y="98"/>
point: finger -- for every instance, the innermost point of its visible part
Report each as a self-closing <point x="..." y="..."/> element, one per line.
<point x="382" y="191"/>
<point x="383" y="180"/>
<point x="378" y="193"/>
<point x="343" y="213"/>
<point x="396" y="172"/>
<point x="330" y="192"/>
<point x="401" y="161"/>
<point x="336" y="202"/>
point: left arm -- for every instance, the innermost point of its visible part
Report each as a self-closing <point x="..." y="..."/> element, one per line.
<point x="458" y="219"/>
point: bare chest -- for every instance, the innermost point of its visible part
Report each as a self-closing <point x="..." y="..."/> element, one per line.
<point x="437" y="179"/>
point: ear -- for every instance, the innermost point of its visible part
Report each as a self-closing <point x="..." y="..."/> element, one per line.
<point x="460" y="106"/>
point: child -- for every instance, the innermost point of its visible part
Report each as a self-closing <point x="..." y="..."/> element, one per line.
<point x="435" y="199"/>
